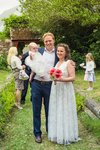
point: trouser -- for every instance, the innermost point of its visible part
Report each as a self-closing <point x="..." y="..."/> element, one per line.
<point x="24" y="91"/>
<point x="40" y="91"/>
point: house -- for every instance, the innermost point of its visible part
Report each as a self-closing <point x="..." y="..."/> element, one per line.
<point x="20" y="37"/>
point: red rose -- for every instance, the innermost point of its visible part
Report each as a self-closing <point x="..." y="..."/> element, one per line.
<point x="55" y="73"/>
<point x="58" y="73"/>
<point x="51" y="72"/>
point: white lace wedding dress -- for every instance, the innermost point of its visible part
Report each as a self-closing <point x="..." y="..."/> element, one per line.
<point x="62" y="119"/>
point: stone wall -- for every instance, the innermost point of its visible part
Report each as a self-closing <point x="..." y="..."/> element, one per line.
<point x="18" y="35"/>
<point x="4" y="46"/>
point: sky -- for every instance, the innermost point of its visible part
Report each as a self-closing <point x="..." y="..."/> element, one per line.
<point x="7" y="4"/>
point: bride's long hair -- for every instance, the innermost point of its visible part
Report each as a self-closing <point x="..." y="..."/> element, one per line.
<point x="67" y="50"/>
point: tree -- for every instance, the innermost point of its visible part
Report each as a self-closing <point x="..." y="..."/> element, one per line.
<point x="15" y="21"/>
<point x="41" y="12"/>
<point x="72" y="21"/>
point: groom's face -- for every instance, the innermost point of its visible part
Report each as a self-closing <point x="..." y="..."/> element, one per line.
<point x="49" y="42"/>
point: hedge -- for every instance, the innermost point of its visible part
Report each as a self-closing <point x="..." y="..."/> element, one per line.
<point x="7" y="98"/>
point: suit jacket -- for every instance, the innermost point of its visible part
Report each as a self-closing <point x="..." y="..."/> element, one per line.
<point x="27" y="69"/>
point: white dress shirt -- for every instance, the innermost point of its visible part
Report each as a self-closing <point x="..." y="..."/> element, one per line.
<point x="49" y="58"/>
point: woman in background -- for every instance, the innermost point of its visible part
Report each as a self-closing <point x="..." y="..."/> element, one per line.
<point x="16" y="66"/>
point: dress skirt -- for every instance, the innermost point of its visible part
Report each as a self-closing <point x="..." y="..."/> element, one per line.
<point x="62" y="119"/>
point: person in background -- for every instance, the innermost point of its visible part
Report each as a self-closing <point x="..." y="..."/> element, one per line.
<point x="89" y="72"/>
<point x="16" y="66"/>
<point x="36" y="62"/>
<point x="62" y="117"/>
<point x="41" y="86"/>
<point x="28" y="71"/>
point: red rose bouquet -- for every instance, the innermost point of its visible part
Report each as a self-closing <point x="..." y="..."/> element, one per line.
<point x="55" y="74"/>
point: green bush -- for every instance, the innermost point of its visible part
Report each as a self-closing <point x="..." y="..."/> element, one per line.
<point x="14" y="21"/>
<point x="3" y="61"/>
<point x="78" y="58"/>
<point x="95" y="46"/>
<point x="79" y="102"/>
<point x="7" y="98"/>
<point x="3" y="35"/>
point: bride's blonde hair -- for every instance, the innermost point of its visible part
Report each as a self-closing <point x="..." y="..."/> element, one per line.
<point x="12" y="52"/>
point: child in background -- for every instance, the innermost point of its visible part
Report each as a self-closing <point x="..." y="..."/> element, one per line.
<point x="35" y="61"/>
<point x="89" y="73"/>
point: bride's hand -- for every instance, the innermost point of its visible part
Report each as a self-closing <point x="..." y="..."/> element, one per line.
<point x="60" y="80"/>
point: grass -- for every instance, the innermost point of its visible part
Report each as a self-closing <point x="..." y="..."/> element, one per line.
<point x="83" y="85"/>
<point x="3" y="75"/>
<point x="19" y="134"/>
<point x="19" y="131"/>
<point x="91" y="124"/>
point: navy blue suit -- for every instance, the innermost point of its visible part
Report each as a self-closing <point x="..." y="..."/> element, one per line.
<point x="40" y="90"/>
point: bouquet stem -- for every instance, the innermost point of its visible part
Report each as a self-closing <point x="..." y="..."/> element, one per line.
<point x="54" y="82"/>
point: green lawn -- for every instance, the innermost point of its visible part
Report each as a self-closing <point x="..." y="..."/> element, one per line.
<point x="3" y="75"/>
<point x="19" y="132"/>
<point x="83" y="85"/>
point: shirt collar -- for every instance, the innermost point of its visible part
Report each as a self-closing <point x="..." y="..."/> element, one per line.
<point x="53" y="50"/>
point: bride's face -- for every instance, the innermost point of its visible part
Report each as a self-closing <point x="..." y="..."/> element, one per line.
<point x="61" y="53"/>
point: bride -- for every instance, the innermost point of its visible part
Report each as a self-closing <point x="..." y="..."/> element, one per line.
<point x="62" y="119"/>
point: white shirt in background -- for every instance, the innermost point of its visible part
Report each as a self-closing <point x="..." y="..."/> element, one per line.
<point x="16" y="62"/>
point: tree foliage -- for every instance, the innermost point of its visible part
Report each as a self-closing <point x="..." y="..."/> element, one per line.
<point x="76" y="22"/>
<point x="42" y="12"/>
<point x="72" y="21"/>
<point x="15" y="21"/>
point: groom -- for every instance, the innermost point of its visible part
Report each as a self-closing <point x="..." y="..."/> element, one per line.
<point x="41" y="86"/>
